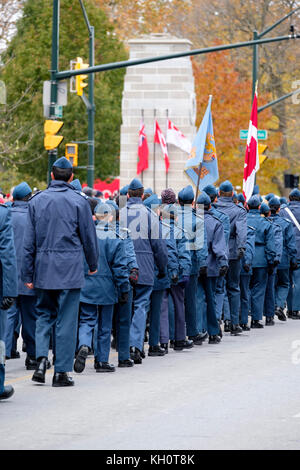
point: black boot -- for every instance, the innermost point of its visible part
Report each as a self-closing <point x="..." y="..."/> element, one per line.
<point x="172" y="343"/>
<point x="235" y="330"/>
<point x="245" y="327"/>
<point x="227" y="326"/>
<point x="61" y="379"/>
<point x="126" y="363"/>
<point x="7" y="393"/>
<point x="256" y="324"/>
<point x="79" y="364"/>
<point x="104" y="367"/>
<point x="270" y="321"/>
<point x="215" y="339"/>
<point x="184" y="344"/>
<point x="40" y="371"/>
<point x="295" y="315"/>
<point x="156" y="351"/>
<point x="165" y="346"/>
<point x="280" y="314"/>
<point x="135" y="355"/>
<point x="197" y="340"/>
<point x="30" y="363"/>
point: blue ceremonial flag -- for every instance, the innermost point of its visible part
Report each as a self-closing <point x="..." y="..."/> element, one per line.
<point x="203" y="152"/>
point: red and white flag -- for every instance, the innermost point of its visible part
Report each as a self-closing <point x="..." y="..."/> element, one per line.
<point x="143" y="151"/>
<point x="176" y="137"/>
<point x="159" y="138"/>
<point x="252" y="156"/>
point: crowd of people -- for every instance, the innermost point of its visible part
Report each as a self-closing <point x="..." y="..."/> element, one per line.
<point x="82" y="275"/>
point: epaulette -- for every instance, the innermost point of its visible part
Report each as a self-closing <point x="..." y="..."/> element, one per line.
<point x="4" y="205"/>
<point x="252" y="228"/>
<point x="35" y="194"/>
<point x="215" y="217"/>
<point x="287" y="220"/>
<point x="81" y="194"/>
<point x="125" y="229"/>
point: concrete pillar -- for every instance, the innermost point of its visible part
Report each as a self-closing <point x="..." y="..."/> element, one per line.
<point x="166" y="86"/>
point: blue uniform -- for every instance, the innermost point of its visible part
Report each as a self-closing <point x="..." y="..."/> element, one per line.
<point x="59" y="232"/>
<point x="8" y="278"/>
<point x="246" y="276"/>
<point x="270" y="289"/>
<point x="264" y="256"/>
<point x="294" y="294"/>
<point x="101" y="290"/>
<point x="237" y="240"/>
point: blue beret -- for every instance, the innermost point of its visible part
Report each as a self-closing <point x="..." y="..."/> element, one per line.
<point x="135" y="184"/>
<point x="103" y="209"/>
<point x="152" y="201"/>
<point x="283" y="200"/>
<point x="226" y="187"/>
<point x="295" y="193"/>
<point x="254" y="201"/>
<point x="274" y="201"/>
<point x="210" y="190"/>
<point x="186" y="194"/>
<point x="76" y="185"/>
<point x="124" y="190"/>
<point x="204" y="199"/>
<point x="62" y="163"/>
<point x="264" y="208"/>
<point x="241" y="198"/>
<point x="21" y="191"/>
<point x="148" y="191"/>
<point x="255" y="190"/>
<point x="112" y="203"/>
<point x="269" y="196"/>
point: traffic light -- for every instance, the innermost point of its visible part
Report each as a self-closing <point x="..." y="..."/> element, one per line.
<point x="51" y="128"/>
<point x="71" y="154"/>
<point x="80" y="84"/>
<point x="261" y="153"/>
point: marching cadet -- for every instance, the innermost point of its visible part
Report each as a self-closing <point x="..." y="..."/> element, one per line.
<point x="269" y="305"/>
<point x="292" y="213"/>
<point x="193" y="225"/>
<point x="59" y="231"/>
<point x="288" y="259"/>
<point x="8" y="288"/>
<point x="149" y="249"/>
<point x="263" y="262"/>
<point x="246" y="273"/>
<point x="217" y="265"/>
<point x="237" y="246"/>
<point x="101" y="292"/>
<point x="25" y="304"/>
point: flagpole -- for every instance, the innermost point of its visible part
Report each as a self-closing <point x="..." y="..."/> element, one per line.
<point x="167" y="179"/>
<point x="200" y="166"/>
<point x="154" y="153"/>
<point x="142" y="174"/>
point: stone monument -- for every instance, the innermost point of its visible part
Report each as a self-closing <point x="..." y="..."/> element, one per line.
<point x="158" y="90"/>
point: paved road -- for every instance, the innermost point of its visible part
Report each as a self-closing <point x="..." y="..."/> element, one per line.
<point x="241" y="394"/>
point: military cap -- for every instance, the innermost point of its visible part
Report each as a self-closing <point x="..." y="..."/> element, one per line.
<point x="152" y="201"/>
<point x="255" y="190"/>
<point x="88" y="191"/>
<point x="76" y="185"/>
<point x="204" y="199"/>
<point x="21" y="191"/>
<point x="264" y="208"/>
<point x="241" y="198"/>
<point x="210" y="190"/>
<point x="226" y="187"/>
<point x="186" y="194"/>
<point x="124" y="190"/>
<point x="283" y="200"/>
<point x="269" y="196"/>
<point x="295" y="193"/>
<point x="103" y="209"/>
<point x="148" y="191"/>
<point x="135" y="184"/>
<point x="274" y="202"/>
<point x="62" y="163"/>
<point x="254" y="201"/>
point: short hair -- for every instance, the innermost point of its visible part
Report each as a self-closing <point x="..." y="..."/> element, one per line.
<point x="26" y="198"/>
<point x="62" y="174"/>
<point x="294" y="198"/>
<point x="226" y="193"/>
<point x="183" y="203"/>
<point x="136" y="192"/>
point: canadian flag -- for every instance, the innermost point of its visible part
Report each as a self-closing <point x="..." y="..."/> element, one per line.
<point x="252" y="156"/>
<point x="176" y="137"/>
<point x="143" y="151"/>
<point x="159" y="138"/>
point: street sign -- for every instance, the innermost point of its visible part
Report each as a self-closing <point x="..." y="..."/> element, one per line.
<point x="58" y="111"/>
<point x="62" y="93"/>
<point x="261" y="134"/>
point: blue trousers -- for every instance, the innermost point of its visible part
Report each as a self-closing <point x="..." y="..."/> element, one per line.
<point x="155" y="309"/>
<point x="245" y="298"/>
<point x="282" y="287"/>
<point x="123" y="322"/>
<point x="296" y="290"/>
<point x="201" y="309"/>
<point x="177" y="295"/>
<point x="12" y="320"/>
<point x="233" y="289"/>
<point x="167" y="319"/>
<point x="226" y="308"/>
<point x="220" y="293"/>
<point x="207" y="287"/>
<point x="24" y="307"/>
<point x="191" y="306"/>
<point x="57" y="308"/>
<point x="258" y="289"/>
<point x="2" y="347"/>
<point x="141" y="300"/>
<point x="269" y="305"/>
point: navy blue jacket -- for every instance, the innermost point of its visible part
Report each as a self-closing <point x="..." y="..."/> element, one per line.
<point x="129" y="247"/>
<point x="278" y="237"/>
<point x="148" y="243"/>
<point x="264" y="239"/>
<point x="112" y="276"/>
<point x="294" y="207"/>
<point x="192" y="223"/>
<point x="216" y="243"/>
<point x="238" y="225"/>
<point x="289" y="251"/>
<point x="59" y="231"/>
<point x="19" y="212"/>
<point x="8" y="261"/>
<point x="250" y="251"/>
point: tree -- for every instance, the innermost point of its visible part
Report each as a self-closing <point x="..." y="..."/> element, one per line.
<point x="26" y="66"/>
